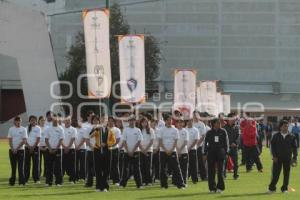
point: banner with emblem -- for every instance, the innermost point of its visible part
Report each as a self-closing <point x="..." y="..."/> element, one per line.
<point x="226" y="103"/>
<point x="185" y="91"/>
<point x="207" y="97"/>
<point x="96" y="34"/>
<point x="132" y="68"/>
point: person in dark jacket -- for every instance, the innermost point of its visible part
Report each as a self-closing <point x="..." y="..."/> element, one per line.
<point x="215" y="151"/>
<point x="284" y="152"/>
<point x="234" y="138"/>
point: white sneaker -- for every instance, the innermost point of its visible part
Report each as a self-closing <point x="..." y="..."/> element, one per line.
<point x="285" y="191"/>
<point x="58" y="185"/>
<point x="47" y="185"/>
<point x="219" y="191"/>
<point x="38" y="182"/>
<point x="117" y="184"/>
<point x="97" y="190"/>
<point x="105" y="190"/>
<point x="271" y="192"/>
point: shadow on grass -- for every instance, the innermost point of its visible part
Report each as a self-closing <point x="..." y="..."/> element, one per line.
<point x="244" y="195"/>
<point x="176" y="196"/>
<point x="53" y="194"/>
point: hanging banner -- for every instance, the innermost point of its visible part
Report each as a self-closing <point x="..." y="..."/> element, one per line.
<point x="132" y="68"/>
<point x="220" y="102"/>
<point x="207" y="97"/>
<point x="96" y="34"/>
<point x="226" y="103"/>
<point x="185" y="91"/>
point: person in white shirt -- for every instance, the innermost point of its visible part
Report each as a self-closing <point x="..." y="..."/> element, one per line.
<point x="197" y="123"/>
<point x="69" y="154"/>
<point x="114" y="152"/>
<point x="132" y="138"/>
<point x="42" y="146"/>
<point x="32" y="152"/>
<point x="155" y="156"/>
<point x="17" y="136"/>
<point x="192" y="148"/>
<point x="146" y="151"/>
<point x="48" y="122"/>
<point x="168" y="137"/>
<point x="80" y="147"/>
<point x="54" y="137"/>
<point x="182" y="149"/>
<point x="119" y="125"/>
<point x="88" y="123"/>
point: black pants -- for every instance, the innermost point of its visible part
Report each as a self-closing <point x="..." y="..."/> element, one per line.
<point x="201" y="164"/>
<point x="215" y="160"/>
<point x="90" y="171"/>
<point x="252" y="156"/>
<point x="155" y="166"/>
<point x="102" y="167"/>
<point x="233" y="153"/>
<point x="69" y="164"/>
<point x="114" y="165"/>
<point x="146" y="168"/>
<point x="135" y="163"/>
<point x="268" y="139"/>
<point x="184" y="163"/>
<point x="43" y="164"/>
<point x="193" y="165"/>
<point x="297" y="139"/>
<point x="276" y="170"/>
<point x="54" y="162"/>
<point x="170" y="161"/>
<point x="121" y="163"/>
<point x="80" y="164"/>
<point x="33" y="157"/>
<point x="17" y="160"/>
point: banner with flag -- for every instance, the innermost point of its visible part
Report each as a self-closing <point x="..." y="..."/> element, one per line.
<point x="132" y="68"/>
<point x="96" y="34"/>
<point x="185" y="91"/>
<point x="207" y="97"/>
<point x="226" y="103"/>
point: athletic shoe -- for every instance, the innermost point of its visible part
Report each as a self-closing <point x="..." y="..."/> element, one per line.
<point x="219" y="191"/>
<point x="97" y="190"/>
<point x="58" y="185"/>
<point x="212" y="191"/>
<point x="117" y="184"/>
<point x="105" y="190"/>
<point x="285" y="191"/>
<point x="271" y="191"/>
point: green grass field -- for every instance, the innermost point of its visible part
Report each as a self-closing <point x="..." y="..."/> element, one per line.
<point x="249" y="186"/>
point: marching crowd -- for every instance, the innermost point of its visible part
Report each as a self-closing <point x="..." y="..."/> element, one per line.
<point x="111" y="150"/>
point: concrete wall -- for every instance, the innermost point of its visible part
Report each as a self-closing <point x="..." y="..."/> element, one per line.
<point x="26" y="38"/>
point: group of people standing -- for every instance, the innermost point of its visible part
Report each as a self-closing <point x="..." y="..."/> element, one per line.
<point x="105" y="149"/>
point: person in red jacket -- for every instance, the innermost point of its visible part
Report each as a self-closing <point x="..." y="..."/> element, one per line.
<point x="249" y="133"/>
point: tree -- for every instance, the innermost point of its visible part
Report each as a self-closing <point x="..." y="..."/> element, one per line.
<point x="77" y="62"/>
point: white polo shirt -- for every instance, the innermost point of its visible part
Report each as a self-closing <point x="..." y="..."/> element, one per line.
<point x="168" y="137"/>
<point x="70" y="133"/>
<point x="42" y="140"/>
<point x="87" y="125"/>
<point x="193" y="135"/>
<point x="48" y="124"/>
<point x="117" y="133"/>
<point x="132" y="136"/>
<point x="54" y="134"/>
<point x="156" y="139"/>
<point x="17" y="134"/>
<point x="81" y="134"/>
<point x="160" y="124"/>
<point x="147" y="138"/>
<point x="183" y="137"/>
<point x="33" y="135"/>
<point x="89" y="128"/>
<point x="202" y="130"/>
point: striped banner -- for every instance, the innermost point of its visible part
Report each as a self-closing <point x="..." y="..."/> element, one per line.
<point x="185" y="91"/>
<point x="96" y="33"/>
<point x="132" y="68"/>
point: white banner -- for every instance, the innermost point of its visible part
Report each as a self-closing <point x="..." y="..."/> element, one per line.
<point x="96" y="32"/>
<point x="220" y="103"/>
<point x="226" y="103"/>
<point x="132" y="68"/>
<point x="185" y="91"/>
<point x="207" y="97"/>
